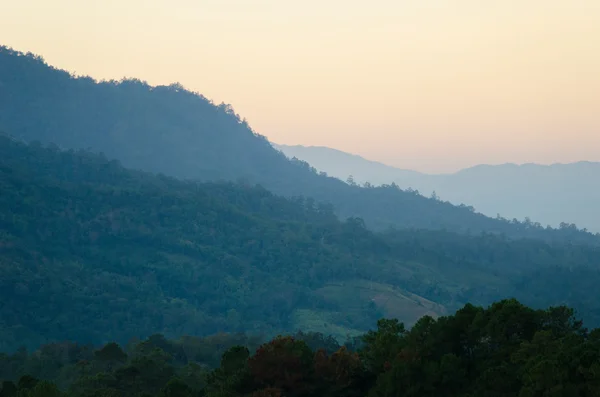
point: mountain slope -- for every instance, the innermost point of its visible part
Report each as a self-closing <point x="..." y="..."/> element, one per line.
<point x="172" y="131"/>
<point x="91" y="251"/>
<point x="567" y="191"/>
<point x="341" y="165"/>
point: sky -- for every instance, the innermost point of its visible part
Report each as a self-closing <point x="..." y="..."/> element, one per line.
<point x="429" y="85"/>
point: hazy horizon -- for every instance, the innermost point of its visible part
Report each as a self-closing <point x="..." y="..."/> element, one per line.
<point x="432" y="86"/>
<point x="441" y="172"/>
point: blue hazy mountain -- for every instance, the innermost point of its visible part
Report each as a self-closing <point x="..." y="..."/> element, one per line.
<point x="549" y="194"/>
<point x="179" y="133"/>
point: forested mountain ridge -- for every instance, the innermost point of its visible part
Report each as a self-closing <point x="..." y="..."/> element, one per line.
<point x="91" y="251"/>
<point x="169" y="130"/>
<point x="550" y="194"/>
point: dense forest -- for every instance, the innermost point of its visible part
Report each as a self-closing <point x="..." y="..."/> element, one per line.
<point x="152" y="244"/>
<point x="170" y="130"/>
<point x="506" y="349"/>
<point x="93" y="252"/>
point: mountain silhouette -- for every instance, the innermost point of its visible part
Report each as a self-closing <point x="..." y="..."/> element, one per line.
<point x="549" y="194"/>
<point x="169" y="130"/>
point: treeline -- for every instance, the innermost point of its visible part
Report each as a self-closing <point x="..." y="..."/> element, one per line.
<point x="170" y="130"/>
<point x="91" y="251"/>
<point x="506" y="349"/>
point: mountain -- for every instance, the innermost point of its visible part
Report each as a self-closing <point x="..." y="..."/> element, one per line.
<point x="169" y="130"/>
<point x="341" y="165"/>
<point x="550" y="194"/>
<point x="91" y="251"/>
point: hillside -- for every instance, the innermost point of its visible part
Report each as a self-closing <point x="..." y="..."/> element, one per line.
<point x="567" y="191"/>
<point x="91" y="251"/>
<point x="341" y="165"/>
<point x="169" y="130"/>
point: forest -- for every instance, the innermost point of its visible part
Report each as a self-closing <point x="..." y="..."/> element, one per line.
<point x="506" y="349"/>
<point x="153" y="244"/>
<point x="170" y="130"/>
<point x="93" y="252"/>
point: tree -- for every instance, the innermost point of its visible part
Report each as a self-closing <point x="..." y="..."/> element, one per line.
<point x="111" y="354"/>
<point x="381" y="346"/>
<point x="284" y="363"/>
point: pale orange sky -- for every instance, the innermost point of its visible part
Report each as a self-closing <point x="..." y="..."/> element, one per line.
<point x="432" y="85"/>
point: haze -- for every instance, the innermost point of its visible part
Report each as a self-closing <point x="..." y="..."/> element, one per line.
<point x="429" y="85"/>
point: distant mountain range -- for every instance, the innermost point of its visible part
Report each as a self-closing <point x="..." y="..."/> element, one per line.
<point x="170" y="130"/>
<point x="549" y="194"/>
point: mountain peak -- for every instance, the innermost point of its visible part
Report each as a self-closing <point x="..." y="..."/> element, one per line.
<point x="169" y="130"/>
